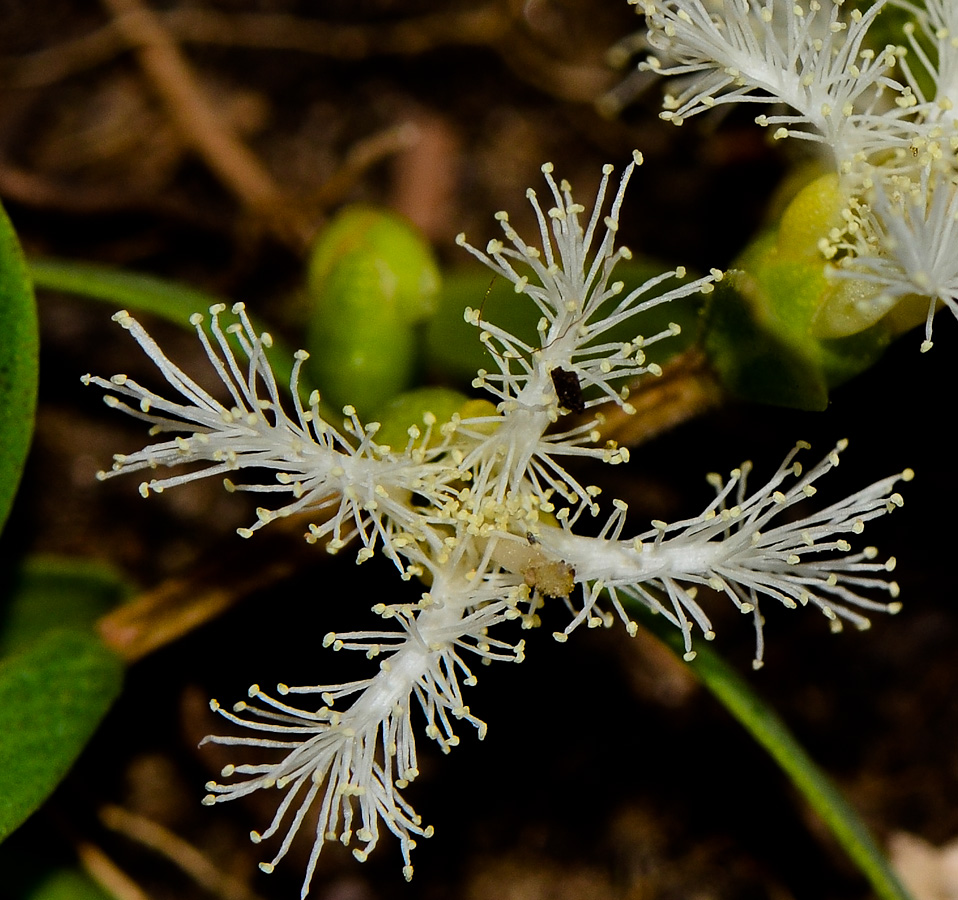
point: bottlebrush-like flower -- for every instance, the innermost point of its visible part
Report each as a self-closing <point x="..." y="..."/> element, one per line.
<point x="484" y="509"/>
<point x="782" y="52"/>
<point x="885" y="115"/>
<point x="909" y="244"/>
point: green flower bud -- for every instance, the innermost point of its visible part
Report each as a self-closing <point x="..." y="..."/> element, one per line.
<point x="371" y="279"/>
<point x="779" y="330"/>
<point x="411" y="408"/>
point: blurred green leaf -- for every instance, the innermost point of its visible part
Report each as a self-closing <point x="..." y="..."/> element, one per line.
<point x="56" y="592"/>
<point x="18" y="364"/>
<point x="168" y="300"/>
<point x="65" y="884"/>
<point x="52" y="697"/>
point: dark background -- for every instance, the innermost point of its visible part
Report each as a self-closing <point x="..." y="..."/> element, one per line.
<point x="606" y="772"/>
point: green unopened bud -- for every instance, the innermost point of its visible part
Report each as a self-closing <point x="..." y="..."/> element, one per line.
<point x="418" y="409"/>
<point x="410" y="275"/>
<point x="371" y="278"/>
<point x="779" y="329"/>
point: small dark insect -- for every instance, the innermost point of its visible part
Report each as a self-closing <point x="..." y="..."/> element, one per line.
<point x="568" y="389"/>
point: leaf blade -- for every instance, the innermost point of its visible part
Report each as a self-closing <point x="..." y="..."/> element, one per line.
<point x="18" y="364"/>
<point x="52" y="697"/>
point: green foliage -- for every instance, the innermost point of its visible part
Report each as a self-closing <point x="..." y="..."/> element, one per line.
<point x="65" y="884"/>
<point x="57" y="679"/>
<point x="764" y="331"/>
<point x="50" y="592"/>
<point x="774" y="736"/>
<point x="18" y="364"/>
<point x="160" y="297"/>
<point x="371" y="279"/>
<point x="52" y="697"/>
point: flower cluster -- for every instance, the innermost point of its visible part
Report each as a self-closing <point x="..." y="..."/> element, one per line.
<point x="883" y="116"/>
<point x="484" y="508"/>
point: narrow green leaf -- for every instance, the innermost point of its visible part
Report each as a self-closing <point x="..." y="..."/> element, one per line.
<point x="51" y="592"/>
<point x="168" y="300"/>
<point x="18" y="364"/>
<point x="52" y="697"/>
<point x="128" y="290"/>
<point x="771" y="732"/>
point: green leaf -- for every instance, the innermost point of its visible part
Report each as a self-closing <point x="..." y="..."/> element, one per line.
<point x="774" y="736"/>
<point x="168" y="300"/>
<point x="52" y="697"/>
<point x="18" y="364"/>
<point x="52" y="592"/>
<point x="66" y="884"/>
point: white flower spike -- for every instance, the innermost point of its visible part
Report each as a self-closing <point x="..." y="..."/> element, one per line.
<point x="885" y="117"/>
<point x="909" y="244"/>
<point x="484" y="510"/>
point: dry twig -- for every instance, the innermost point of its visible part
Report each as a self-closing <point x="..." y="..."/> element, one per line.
<point x="199" y="123"/>
<point x="178" y="851"/>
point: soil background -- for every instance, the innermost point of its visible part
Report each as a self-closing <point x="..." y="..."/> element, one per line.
<point x="607" y="772"/>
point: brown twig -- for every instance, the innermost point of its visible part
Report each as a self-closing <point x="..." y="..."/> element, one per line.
<point x="687" y="388"/>
<point x="475" y="27"/>
<point x="263" y="31"/>
<point x="107" y="874"/>
<point x="179" y="605"/>
<point x="53" y="64"/>
<point x="361" y="156"/>
<point x="199" y="123"/>
<point x="178" y="851"/>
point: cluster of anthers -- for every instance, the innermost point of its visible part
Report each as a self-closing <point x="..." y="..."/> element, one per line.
<point x="485" y="508"/>
<point x="883" y="115"/>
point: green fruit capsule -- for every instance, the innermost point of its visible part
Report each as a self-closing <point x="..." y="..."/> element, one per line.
<point x="778" y="329"/>
<point x="410" y="410"/>
<point x="361" y="352"/>
<point x="409" y="270"/>
<point x="371" y="278"/>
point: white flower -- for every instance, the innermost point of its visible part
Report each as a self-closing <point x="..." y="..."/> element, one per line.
<point x="743" y="550"/>
<point x="938" y="20"/>
<point x="569" y="279"/>
<point x="909" y="245"/>
<point x="485" y="512"/>
<point x="361" y="757"/>
<point x="779" y="51"/>
<point x="353" y="485"/>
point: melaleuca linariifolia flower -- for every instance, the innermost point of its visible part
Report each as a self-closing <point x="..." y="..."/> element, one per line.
<point x="931" y="41"/>
<point x="482" y="508"/>
<point x="807" y="57"/>
<point x="907" y="248"/>
<point x="883" y="114"/>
